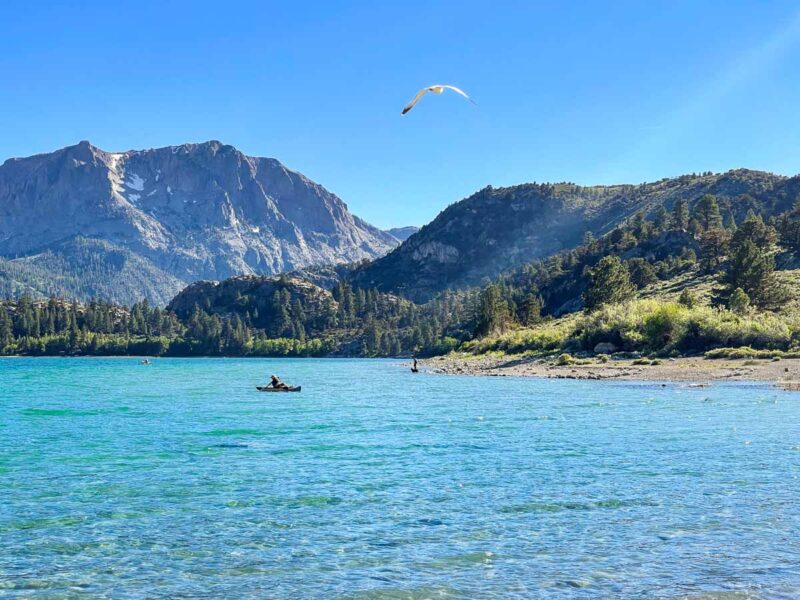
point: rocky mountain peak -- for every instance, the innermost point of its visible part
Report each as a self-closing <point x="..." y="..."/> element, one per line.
<point x="195" y="211"/>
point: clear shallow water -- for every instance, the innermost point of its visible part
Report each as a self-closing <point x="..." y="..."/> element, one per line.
<point x="180" y="480"/>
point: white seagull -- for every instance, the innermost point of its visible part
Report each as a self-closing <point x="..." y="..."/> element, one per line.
<point x="436" y="89"/>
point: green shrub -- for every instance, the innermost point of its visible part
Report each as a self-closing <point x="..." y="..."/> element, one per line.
<point x="565" y="359"/>
<point x="665" y="325"/>
<point x="652" y="327"/>
<point x="739" y="302"/>
<point x="547" y="337"/>
<point x="687" y="299"/>
<point x="751" y="353"/>
<point x="444" y="346"/>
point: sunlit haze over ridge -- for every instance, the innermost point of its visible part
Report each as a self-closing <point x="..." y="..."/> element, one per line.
<point x="591" y="92"/>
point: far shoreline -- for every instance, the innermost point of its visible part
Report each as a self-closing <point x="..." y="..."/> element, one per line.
<point x="699" y="371"/>
<point x="695" y="371"/>
<point x="120" y="356"/>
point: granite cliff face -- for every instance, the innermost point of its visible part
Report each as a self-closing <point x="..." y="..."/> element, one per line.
<point x="190" y="212"/>
<point x="497" y="229"/>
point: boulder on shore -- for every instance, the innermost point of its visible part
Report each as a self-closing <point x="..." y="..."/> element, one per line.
<point x="605" y="348"/>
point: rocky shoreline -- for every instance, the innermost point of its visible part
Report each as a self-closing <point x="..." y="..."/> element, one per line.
<point x="697" y="370"/>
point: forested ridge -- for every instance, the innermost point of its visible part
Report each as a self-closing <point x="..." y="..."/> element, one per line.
<point x="499" y="229"/>
<point x="684" y="280"/>
<point x="348" y="323"/>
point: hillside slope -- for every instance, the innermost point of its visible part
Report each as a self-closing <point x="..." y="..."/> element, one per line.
<point x="497" y="229"/>
<point x="85" y="269"/>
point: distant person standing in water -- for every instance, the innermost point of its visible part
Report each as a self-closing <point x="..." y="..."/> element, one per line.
<point x="414" y="368"/>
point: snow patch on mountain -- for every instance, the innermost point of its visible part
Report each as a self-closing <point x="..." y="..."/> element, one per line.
<point x="135" y="182"/>
<point x="114" y="173"/>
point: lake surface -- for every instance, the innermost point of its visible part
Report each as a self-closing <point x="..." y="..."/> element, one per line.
<point x="180" y="480"/>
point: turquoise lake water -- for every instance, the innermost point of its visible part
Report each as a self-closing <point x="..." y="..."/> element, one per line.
<point x="180" y="480"/>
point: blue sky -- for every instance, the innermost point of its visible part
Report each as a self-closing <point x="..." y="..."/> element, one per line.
<point x="591" y="92"/>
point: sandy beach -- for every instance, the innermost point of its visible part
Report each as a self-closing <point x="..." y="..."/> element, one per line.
<point x="783" y="373"/>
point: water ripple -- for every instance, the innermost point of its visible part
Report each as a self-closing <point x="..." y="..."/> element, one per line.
<point x="374" y="483"/>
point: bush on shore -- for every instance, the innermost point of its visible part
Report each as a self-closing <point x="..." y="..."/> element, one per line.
<point x="565" y="359"/>
<point x="748" y="352"/>
<point x="653" y="327"/>
<point x="545" y="338"/>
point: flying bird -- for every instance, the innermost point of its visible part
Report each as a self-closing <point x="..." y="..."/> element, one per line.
<point x="436" y="89"/>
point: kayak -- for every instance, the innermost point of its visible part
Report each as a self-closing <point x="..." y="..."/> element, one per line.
<point x="264" y="388"/>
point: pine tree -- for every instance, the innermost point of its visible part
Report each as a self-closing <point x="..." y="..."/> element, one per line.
<point x="789" y="229"/>
<point x="680" y="215"/>
<point x="641" y="272"/>
<point x="713" y="247"/>
<point x="752" y="270"/>
<point x="280" y="322"/>
<point x="493" y="312"/>
<point x="754" y="229"/>
<point x="661" y="219"/>
<point x="74" y="332"/>
<point x="372" y="337"/>
<point x="531" y="311"/>
<point x="609" y="282"/>
<point x="739" y="302"/>
<point x="640" y="228"/>
<point x="6" y="330"/>
<point x="706" y="211"/>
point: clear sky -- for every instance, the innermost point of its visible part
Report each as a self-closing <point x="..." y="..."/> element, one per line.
<point x="591" y="92"/>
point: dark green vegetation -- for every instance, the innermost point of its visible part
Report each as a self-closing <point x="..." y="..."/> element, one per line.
<point x="243" y="316"/>
<point x="55" y="327"/>
<point x="643" y="292"/>
<point x="687" y="272"/>
<point x="84" y="268"/>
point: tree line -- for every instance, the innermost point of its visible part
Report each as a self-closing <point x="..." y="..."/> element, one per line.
<point x="703" y="239"/>
<point x="347" y="321"/>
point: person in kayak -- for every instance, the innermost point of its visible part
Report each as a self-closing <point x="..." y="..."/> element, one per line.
<point x="277" y="383"/>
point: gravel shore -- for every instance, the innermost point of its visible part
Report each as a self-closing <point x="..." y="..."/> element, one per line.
<point x="698" y="370"/>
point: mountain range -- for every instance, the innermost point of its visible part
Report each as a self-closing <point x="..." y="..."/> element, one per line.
<point x="83" y="222"/>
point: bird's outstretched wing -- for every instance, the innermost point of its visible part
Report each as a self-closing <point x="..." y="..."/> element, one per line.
<point x="438" y="89"/>
<point x="457" y="91"/>
<point x="415" y="99"/>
